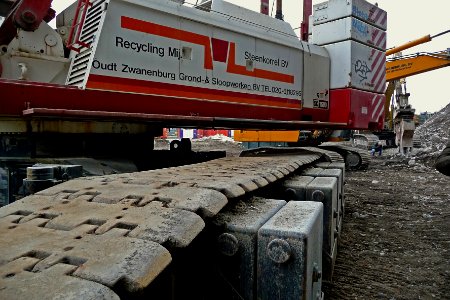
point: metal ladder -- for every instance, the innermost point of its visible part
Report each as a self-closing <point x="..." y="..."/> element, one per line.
<point x="83" y="38"/>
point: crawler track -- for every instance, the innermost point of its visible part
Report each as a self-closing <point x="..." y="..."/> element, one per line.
<point x="355" y="159"/>
<point x="365" y="141"/>
<point x="100" y="237"/>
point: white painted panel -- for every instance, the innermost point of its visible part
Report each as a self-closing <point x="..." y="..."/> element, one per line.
<point x="346" y="29"/>
<point x="356" y="65"/>
<point x="153" y="56"/>
<point x="361" y="9"/>
<point x="188" y="133"/>
<point x="317" y="78"/>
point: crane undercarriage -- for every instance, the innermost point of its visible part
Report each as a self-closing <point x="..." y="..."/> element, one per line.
<point x="94" y="234"/>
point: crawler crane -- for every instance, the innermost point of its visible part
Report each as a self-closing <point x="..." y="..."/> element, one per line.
<point x="88" y="99"/>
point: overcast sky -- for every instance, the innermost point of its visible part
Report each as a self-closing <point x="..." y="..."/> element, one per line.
<point x="407" y="20"/>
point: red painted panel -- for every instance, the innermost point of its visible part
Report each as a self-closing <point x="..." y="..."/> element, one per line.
<point x="358" y="109"/>
<point x="220" y="50"/>
<point x="340" y="106"/>
<point x="16" y="96"/>
<point x="116" y="84"/>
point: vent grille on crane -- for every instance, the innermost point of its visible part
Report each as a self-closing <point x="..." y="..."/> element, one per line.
<point x="83" y="39"/>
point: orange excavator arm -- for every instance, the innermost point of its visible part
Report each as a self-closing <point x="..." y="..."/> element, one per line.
<point x="406" y="66"/>
<point x="422" y="40"/>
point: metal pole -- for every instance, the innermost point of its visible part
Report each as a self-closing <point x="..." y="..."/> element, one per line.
<point x="279" y="13"/>
<point x="265" y="7"/>
<point x="307" y="11"/>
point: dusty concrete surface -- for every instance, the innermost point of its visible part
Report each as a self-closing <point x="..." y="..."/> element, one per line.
<point x="396" y="235"/>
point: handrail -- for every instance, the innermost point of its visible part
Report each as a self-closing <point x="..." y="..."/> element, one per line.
<point x="75" y="31"/>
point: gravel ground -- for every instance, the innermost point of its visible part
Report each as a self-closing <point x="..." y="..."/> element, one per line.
<point x="396" y="236"/>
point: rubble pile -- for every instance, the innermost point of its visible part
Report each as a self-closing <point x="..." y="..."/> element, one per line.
<point x="434" y="135"/>
<point x="218" y="142"/>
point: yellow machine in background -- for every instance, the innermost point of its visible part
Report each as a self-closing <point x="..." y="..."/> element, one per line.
<point x="261" y="138"/>
<point x="266" y="136"/>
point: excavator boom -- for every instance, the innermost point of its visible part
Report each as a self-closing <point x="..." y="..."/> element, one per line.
<point x="422" y="40"/>
<point x="410" y="65"/>
<point x="416" y="64"/>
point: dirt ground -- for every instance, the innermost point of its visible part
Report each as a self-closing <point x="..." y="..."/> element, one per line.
<point x="396" y="235"/>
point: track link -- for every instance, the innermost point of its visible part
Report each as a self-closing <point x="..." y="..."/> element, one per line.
<point x="355" y="159"/>
<point x="331" y="156"/>
<point x="365" y="140"/>
<point x="99" y="237"/>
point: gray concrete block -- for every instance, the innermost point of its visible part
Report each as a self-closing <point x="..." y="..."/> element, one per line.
<point x="324" y="190"/>
<point x="289" y="256"/>
<point x="295" y="187"/>
<point x="237" y="230"/>
<point x="314" y="172"/>
<point x="337" y="173"/>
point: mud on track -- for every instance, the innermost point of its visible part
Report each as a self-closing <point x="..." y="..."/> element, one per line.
<point x="395" y="242"/>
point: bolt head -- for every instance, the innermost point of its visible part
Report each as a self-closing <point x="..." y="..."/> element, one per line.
<point x="51" y="40"/>
<point x="227" y="244"/>
<point x="28" y="16"/>
<point x="317" y="273"/>
<point x="279" y="251"/>
<point x="318" y="196"/>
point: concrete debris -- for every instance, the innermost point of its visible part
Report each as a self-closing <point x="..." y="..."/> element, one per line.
<point x="218" y="137"/>
<point x="434" y="136"/>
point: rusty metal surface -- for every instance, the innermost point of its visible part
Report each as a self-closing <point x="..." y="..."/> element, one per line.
<point x="89" y="237"/>
<point x="176" y="120"/>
